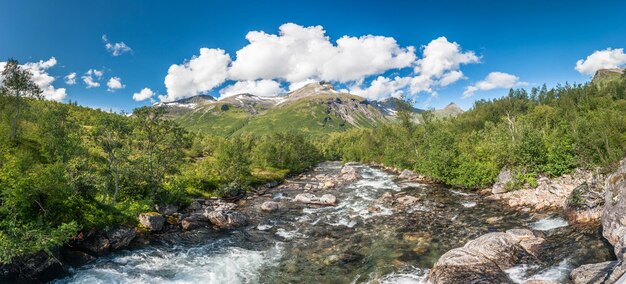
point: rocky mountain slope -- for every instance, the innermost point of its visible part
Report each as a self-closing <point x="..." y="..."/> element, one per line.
<point x="314" y="108"/>
<point x="604" y="75"/>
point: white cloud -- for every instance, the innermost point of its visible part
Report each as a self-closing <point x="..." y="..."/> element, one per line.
<point x="70" y="79"/>
<point x="198" y="75"/>
<point x="263" y="88"/>
<point x="42" y="79"/>
<point x="92" y="77"/>
<point x="439" y="67"/>
<point x="144" y="94"/>
<point x="297" y="55"/>
<point x="494" y="80"/>
<point x="115" y="83"/>
<point x="116" y="49"/>
<point x="300" y="53"/>
<point x="601" y="59"/>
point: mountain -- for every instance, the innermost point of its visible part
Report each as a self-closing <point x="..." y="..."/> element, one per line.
<point x="605" y="75"/>
<point x="314" y="108"/>
<point x="450" y="110"/>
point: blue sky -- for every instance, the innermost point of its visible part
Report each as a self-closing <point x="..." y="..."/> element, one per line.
<point x="535" y="41"/>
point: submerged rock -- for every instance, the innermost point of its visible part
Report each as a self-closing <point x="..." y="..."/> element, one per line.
<point x="152" y="221"/>
<point x="484" y="259"/>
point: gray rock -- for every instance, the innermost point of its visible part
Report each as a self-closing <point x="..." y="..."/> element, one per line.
<point x="227" y="219"/>
<point x="407" y="200"/>
<point x="308" y="198"/>
<point x="194" y="221"/>
<point x="152" y="221"/>
<point x="504" y="177"/>
<point x="408" y="174"/>
<point x="195" y="205"/>
<point x="167" y="209"/>
<point x="269" y="206"/>
<point x="484" y="259"/>
<point x="349" y="173"/>
<point x="614" y="215"/>
<point x="95" y="244"/>
<point x="121" y="237"/>
<point x="595" y="273"/>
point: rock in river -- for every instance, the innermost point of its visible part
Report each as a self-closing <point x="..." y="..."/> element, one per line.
<point x="269" y="206"/>
<point x="120" y="237"/>
<point x="484" y="259"/>
<point x="227" y="219"/>
<point x="308" y="198"/>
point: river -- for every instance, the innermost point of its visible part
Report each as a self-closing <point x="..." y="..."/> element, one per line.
<point x="360" y="240"/>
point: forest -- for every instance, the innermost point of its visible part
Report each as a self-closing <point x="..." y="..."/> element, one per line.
<point x="66" y="168"/>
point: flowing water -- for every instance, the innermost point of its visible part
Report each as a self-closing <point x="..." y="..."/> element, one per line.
<point x="358" y="241"/>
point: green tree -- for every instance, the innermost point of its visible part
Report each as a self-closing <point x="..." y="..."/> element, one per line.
<point x="110" y="133"/>
<point x="17" y="84"/>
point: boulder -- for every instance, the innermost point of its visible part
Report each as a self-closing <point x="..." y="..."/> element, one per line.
<point x="77" y="258"/>
<point x="505" y="177"/>
<point x="585" y="204"/>
<point x="349" y="173"/>
<point x="308" y="198"/>
<point x="34" y="268"/>
<point x="595" y="273"/>
<point x="167" y="209"/>
<point x="614" y="215"/>
<point x="152" y="221"/>
<point x="269" y="206"/>
<point x="95" y="244"/>
<point x="194" y="221"/>
<point x="227" y="219"/>
<point x="483" y="260"/>
<point x="195" y="205"/>
<point x="408" y="175"/>
<point x="120" y="237"/>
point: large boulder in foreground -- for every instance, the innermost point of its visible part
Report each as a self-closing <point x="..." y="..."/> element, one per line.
<point x="152" y="221"/>
<point x="595" y="273"/>
<point x="614" y="215"/>
<point x="483" y="260"/>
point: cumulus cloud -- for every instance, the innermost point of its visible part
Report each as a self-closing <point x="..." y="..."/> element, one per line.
<point x="439" y="67"/>
<point x="494" y="80"/>
<point x="70" y="79"/>
<point x="299" y="53"/>
<point x="200" y="74"/>
<point x="92" y="77"/>
<point x="115" y="83"/>
<point x="117" y="48"/>
<point x="42" y="79"/>
<point x="601" y="59"/>
<point x="144" y="94"/>
<point x="262" y="88"/>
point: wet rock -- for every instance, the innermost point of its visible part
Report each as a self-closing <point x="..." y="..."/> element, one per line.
<point x="95" y="244"/>
<point x="34" y="268"/>
<point x="152" y="221"/>
<point x="505" y="178"/>
<point x="349" y="173"/>
<point x="269" y="206"/>
<point x="77" y="258"/>
<point x="227" y="219"/>
<point x="484" y="259"/>
<point x="167" y="209"/>
<point x="121" y="237"/>
<point x="328" y="184"/>
<point x="194" y="221"/>
<point x="308" y="198"/>
<point x="595" y="273"/>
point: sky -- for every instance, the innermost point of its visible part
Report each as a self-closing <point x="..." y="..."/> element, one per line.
<point x="120" y="55"/>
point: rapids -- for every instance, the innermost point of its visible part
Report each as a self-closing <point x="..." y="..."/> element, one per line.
<point x="352" y="242"/>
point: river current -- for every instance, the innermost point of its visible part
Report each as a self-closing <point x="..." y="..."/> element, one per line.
<point x="357" y="241"/>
